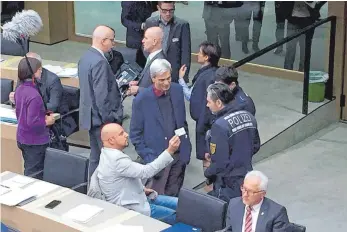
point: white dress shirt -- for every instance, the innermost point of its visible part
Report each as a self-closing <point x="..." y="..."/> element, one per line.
<point x="101" y="52"/>
<point x="255" y="214"/>
<point x="153" y="54"/>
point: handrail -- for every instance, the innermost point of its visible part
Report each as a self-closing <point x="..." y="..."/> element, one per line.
<point x="282" y="41"/>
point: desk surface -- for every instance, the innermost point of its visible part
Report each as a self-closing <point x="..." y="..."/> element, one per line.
<point x="10" y="65"/>
<point x="110" y="216"/>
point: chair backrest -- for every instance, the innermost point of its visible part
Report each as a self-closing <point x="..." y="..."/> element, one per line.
<point x="201" y="210"/>
<point x="65" y="169"/>
<point x="12" y="48"/>
<point x="6" y="89"/>
<point x="296" y="227"/>
<point x="72" y="96"/>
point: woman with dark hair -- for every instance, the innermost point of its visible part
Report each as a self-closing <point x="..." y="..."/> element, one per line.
<point x="208" y="56"/>
<point x="32" y="131"/>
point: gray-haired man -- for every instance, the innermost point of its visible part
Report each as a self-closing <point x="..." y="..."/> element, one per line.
<point x="157" y="112"/>
<point x="253" y="211"/>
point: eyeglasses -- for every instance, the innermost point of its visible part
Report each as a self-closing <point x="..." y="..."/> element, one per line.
<point x="165" y="11"/>
<point x="112" y="40"/>
<point x="250" y="192"/>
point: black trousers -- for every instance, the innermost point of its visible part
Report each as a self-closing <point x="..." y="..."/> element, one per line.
<point x="34" y="158"/>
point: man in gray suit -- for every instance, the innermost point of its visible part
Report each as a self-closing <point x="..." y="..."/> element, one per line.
<point x="118" y="179"/>
<point x="176" y="42"/>
<point x="253" y="212"/>
<point x="100" y="99"/>
<point x="152" y="44"/>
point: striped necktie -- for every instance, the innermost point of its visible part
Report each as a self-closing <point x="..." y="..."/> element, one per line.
<point x="248" y="221"/>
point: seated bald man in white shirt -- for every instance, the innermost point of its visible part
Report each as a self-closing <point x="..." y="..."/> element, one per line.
<point x="253" y="212"/>
<point x="118" y="179"/>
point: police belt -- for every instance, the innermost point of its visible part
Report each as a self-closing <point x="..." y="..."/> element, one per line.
<point x="235" y="174"/>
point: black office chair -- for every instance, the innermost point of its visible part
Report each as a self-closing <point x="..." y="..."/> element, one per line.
<point x="14" y="48"/>
<point x="71" y="95"/>
<point x="65" y="169"/>
<point x="200" y="210"/>
<point x="6" y="88"/>
<point x="296" y="227"/>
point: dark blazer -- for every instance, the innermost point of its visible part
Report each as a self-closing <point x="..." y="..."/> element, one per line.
<point x="199" y="112"/>
<point x="145" y="77"/>
<point x="133" y="15"/>
<point x="100" y="98"/>
<point x="272" y="216"/>
<point x="147" y="129"/>
<point x="178" y="51"/>
<point x="52" y="93"/>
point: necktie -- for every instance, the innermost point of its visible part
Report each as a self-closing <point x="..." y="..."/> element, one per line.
<point x="248" y="221"/>
<point x="147" y="61"/>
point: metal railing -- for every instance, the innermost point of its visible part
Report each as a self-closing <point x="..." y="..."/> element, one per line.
<point x="308" y="44"/>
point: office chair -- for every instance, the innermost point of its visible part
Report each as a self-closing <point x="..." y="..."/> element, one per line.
<point x="72" y="96"/>
<point x="200" y="210"/>
<point x="12" y="48"/>
<point x="296" y="227"/>
<point x="6" y="89"/>
<point x="65" y="169"/>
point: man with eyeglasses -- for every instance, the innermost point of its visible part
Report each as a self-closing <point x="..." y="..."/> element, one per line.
<point x="253" y="211"/>
<point x="176" y="43"/>
<point x="100" y="98"/>
<point x="233" y="140"/>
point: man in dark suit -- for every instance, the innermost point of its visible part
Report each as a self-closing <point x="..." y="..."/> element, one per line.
<point x="253" y="212"/>
<point x="156" y="113"/>
<point x="134" y="15"/>
<point x="152" y="43"/>
<point x="176" y="42"/>
<point x="100" y="99"/>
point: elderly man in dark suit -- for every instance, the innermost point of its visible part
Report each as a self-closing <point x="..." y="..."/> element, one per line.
<point x="176" y="42"/>
<point x="156" y="113"/>
<point x="152" y="43"/>
<point x="253" y="212"/>
<point x="100" y="99"/>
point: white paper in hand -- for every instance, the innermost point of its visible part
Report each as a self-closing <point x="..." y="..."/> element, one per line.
<point x="180" y="132"/>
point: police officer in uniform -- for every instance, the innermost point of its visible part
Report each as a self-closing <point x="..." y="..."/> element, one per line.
<point x="229" y="75"/>
<point x="233" y="140"/>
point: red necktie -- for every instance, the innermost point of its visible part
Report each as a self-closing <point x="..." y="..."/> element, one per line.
<point x="248" y="221"/>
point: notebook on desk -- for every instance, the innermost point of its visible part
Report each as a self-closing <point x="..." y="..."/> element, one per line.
<point x="181" y="227"/>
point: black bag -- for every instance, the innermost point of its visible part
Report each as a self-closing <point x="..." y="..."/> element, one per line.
<point x="115" y="59"/>
<point x="127" y="72"/>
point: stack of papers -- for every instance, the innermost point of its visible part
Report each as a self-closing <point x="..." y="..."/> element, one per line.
<point x="62" y="72"/>
<point x="83" y="213"/>
<point x="8" y="115"/>
<point x="17" y="182"/>
<point x="40" y="188"/>
<point x="4" y="190"/>
<point x="123" y="228"/>
<point x="15" y="196"/>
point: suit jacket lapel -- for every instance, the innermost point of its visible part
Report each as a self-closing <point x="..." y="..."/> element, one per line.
<point x="156" y="108"/>
<point x="239" y="216"/>
<point x="172" y="32"/>
<point x="147" y="66"/>
<point x="262" y="216"/>
<point x="174" y="101"/>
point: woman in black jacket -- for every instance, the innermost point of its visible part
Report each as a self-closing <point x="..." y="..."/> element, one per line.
<point x="208" y="56"/>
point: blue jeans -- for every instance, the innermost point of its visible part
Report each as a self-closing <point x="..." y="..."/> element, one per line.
<point x="163" y="208"/>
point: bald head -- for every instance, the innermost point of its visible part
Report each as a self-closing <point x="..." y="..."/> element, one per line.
<point x="156" y="33"/>
<point x="103" y="37"/>
<point x="34" y="55"/>
<point x="114" y="136"/>
<point x="152" y="39"/>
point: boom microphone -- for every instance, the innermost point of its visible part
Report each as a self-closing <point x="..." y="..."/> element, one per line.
<point x="23" y="25"/>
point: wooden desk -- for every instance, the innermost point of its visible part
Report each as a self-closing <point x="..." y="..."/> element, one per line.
<point x="9" y="69"/>
<point x="11" y="156"/>
<point x="35" y="217"/>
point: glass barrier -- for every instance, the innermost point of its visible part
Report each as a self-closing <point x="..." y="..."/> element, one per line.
<point x="240" y="30"/>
